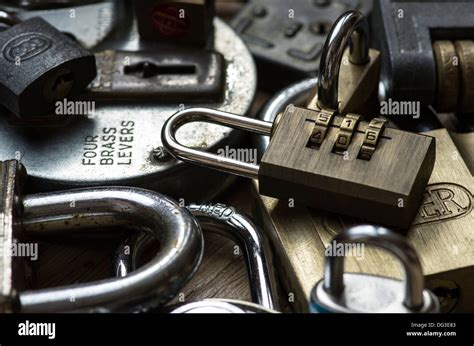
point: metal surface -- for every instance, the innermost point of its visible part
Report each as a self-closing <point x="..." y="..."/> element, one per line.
<point x="373" y="294"/>
<point x="286" y="36"/>
<point x="76" y="210"/>
<point x="210" y="160"/>
<point x="350" y="27"/>
<point x="404" y="31"/>
<point x="228" y="222"/>
<point x="70" y="156"/>
<point x="221" y="306"/>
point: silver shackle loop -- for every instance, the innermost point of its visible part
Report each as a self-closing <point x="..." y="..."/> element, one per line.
<point x="221" y="163"/>
<point x="388" y="240"/>
<point x="76" y="210"/>
<point x="9" y="18"/>
<point x="228" y="222"/>
<point x="352" y="29"/>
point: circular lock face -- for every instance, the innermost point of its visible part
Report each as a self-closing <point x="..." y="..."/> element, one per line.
<point x="121" y="143"/>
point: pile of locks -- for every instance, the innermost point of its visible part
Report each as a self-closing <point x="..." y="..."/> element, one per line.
<point x="356" y="146"/>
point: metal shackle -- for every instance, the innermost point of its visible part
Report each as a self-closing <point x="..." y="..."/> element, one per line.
<point x="177" y="230"/>
<point x="211" y="160"/>
<point x="389" y="241"/>
<point x="352" y="29"/>
<point x="9" y="18"/>
<point x="226" y="221"/>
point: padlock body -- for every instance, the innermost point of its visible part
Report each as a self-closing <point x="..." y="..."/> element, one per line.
<point x="40" y="65"/>
<point x="386" y="189"/>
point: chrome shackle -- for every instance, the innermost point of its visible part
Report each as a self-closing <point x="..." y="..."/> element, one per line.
<point x="228" y="222"/>
<point x="351" y="29"/>
<point x="339" y="292"/>
<point x="65" y="212"/>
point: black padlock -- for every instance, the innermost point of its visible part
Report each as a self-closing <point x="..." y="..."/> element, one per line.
<point x="40" y="65"/>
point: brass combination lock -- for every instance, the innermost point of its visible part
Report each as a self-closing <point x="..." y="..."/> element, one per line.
<point x="322" y="159"/>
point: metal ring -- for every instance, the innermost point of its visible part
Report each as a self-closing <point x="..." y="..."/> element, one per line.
<point x="388" y="240"/>
<point x="350" y="28"/>
<point x="9" y="18"/>
<point x="228" y="222"/>
<point x="75" y="210"/>
<point x="210" y="160"/>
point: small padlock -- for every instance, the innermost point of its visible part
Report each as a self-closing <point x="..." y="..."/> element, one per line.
<point x="340" y="292"/>
<point x="228" y="222"/>
<point x="40" y="65"/>
<point x="49" y="214"/>
<point x="335" y="163"/>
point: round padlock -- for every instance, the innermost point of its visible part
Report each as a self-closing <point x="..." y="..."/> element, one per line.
<point x="121" y="145"/>
<point x="340" y="292"/>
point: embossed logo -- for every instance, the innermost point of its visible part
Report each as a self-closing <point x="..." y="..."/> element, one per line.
<point x="26" y="46"/>
<point x="444" y="201"/>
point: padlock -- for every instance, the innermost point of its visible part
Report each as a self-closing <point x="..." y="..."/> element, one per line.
<point x="117" y="143"/>
<point x="324" y="160"/>
<point x="49" y="214"/>
<point x="340" y="292"/>
<point x="40" y="65"/>
<point x="286" y="37"/>
<point x="444" y="218"/>
<point x="424" y="44"/>
<point x="226" y="221"/>
<point x="176" y="21"/>
<point x="170" y="76"/>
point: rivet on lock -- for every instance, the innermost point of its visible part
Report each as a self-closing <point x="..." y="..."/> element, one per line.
<point x="324" y="160"/>
<point x="50" y="214"/>
<point x="226" y="221"/>
<point x="41" y="65"/>
<point x="341" y="292"/>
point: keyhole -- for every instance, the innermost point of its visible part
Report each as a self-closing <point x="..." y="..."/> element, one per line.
<point x="148" y="69"/>
<point x="321" y="28"/>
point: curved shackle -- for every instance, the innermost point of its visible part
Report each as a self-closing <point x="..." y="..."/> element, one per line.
<point x="392" y="242"/>
<point x="226" y="221"/>
<point x="352" y="29"/>
<point x="75" y="210"/>
<point x="210" y="160"/>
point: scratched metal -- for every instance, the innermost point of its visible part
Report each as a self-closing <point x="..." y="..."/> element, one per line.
<point x="64" y="157"/>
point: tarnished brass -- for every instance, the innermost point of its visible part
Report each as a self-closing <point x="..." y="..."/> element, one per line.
<point x="465" y="52"/>
<point x="321" y="126"/>
<point x="447" y="76"/>
<point x="372" y="136"/>
<point x="357" y="85"/>
<point x="442" y="233"/>
<point x="387" y="189"/>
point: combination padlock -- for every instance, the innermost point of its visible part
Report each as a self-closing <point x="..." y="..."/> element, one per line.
<point x="40" y="65"/>
<point x="226" y="221"/>
<point x="67" y="212"/>
<point x="324" y="160"/>
<point x="340" y="292"/>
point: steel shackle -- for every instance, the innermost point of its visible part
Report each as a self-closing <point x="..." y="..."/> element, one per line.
<point x="226" y="221"/>
<point x="211" y="160"/>
<point x="160" y="280"/>
<point x="352" y="29"/>
<point x="387" y="240"/>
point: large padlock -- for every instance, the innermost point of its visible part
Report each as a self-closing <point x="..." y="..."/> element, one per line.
<point x="115" y="143"/>
<point x="340" y="292"/>
<point x="228" y="222"/>
<point x="50" y="214"/>
<point x="442" y="228"/>
<point x="323" y="160"/>
<point x="40" y="65"/>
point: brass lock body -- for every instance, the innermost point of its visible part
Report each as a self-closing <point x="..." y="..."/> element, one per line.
<point x="343" y="165"/>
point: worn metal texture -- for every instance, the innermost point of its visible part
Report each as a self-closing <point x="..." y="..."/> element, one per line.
<point x="116" y="146"/>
